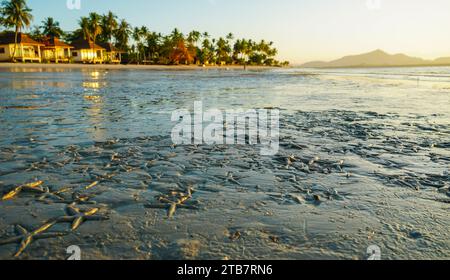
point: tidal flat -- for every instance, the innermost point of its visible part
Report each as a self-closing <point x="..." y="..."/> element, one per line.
<point x="86" y="159"/>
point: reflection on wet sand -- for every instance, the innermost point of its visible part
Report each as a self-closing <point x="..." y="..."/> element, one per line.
<point x="27" y="84"/>
<point x="94" y="110"/>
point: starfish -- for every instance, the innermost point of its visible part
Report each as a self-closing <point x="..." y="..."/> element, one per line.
<point x="49" y="196"/>
<point x="230" y="178"/>
<point x="78" y="198"/>
<point x="25" y="237"/>
<point x="36" y="186"/>
<point x="77" y="217"/>
<point x="173" y="205"/>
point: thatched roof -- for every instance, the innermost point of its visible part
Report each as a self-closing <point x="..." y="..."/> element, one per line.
<point x="110" y="47"/>
<point x="82" y="44"/>
<point x="8" y="37"/>
<point x="51" y="42"/>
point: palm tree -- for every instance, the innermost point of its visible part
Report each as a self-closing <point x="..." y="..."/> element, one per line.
<point x="85" y="27"/>
<point x="2" y="20"/>
<point x="176" y="35"/>
<point x="17" y="14"/>
<point x="51" y="28"/>
<point x="137" y="39"/>
<point x="205" y="53"/>
<point x="95" y="25"/>
<point x="122" y="34"/>
<point x="243" y="50"/>
<point x="153" y="45"/>
<point x="178" y="52"/>
<point x="192" y="40"/>
<point x="143" y="35"/>
<point x="109" y="25"/>
<point x="223" y="50"/>
<point x="193" y="37"/>
<point x="181" y="54"/>
<point x="165" y="49"/>
<point x="144" y="31"/>
<point x="36" y="34"/>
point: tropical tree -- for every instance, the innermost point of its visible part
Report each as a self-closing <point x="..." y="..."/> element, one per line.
<point x="73" y="36"/>
<point x="51" y="28"/>
<point x="193" y="37"/>
<point x="36" y="33"/>
<point x="143" y="36"/>
<point x="181" y="54"/>
<point x="109" y="25"/>
<point x="95" y="26"/>
<point x="165" y="50"/>
<point x="262" y="53"/>
<point x="176" y="35"/>
<point x="16" y="13"/>
<point x="122" y="35"/>
<point x="207" y="49"/>
<point x="192" y="40"/>
<point x="178" y="51"/>
<point x="153" y="45"/>
<point x="3" y="23"/>
<point x="223" y="51"/>
<point x="85" y="28"/>
<point x="238" y="51"/>
<point x="137" y="35"/>
<point x="174" y="48"/>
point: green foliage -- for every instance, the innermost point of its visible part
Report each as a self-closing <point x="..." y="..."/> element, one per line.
<point x="51" y="28"/>
<point x="148" y="46"/>
<point x="15" y="13"/>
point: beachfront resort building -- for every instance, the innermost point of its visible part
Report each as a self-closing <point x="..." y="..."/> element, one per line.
<point x="86" y="51"/>
<point x="26" y="49"/>
<point x="56" y="51"/>
<point x="111" y="54"/>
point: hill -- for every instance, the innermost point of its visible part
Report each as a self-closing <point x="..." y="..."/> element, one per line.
<point x="377" y="58"/>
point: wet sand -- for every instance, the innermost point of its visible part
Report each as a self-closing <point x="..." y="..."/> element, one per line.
<point x="318" y="201"/>
<point x="343" y="180"/>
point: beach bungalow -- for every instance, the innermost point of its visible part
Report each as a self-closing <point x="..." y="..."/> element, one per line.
<point x="56" y="50"/>
<point x="26" y="49"/>
<point x="85" y="51"/>
<point x="112" y="54"/>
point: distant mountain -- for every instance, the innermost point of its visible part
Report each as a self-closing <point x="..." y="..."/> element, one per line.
<point x="315" y="64"/>
<point x="442" y="61"/>
<point x="376" y="58"/>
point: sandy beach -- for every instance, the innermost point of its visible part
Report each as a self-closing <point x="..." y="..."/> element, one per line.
<point x="126" y="67"/>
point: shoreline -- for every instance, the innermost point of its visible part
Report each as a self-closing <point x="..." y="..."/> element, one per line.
<point x="129" y="66"/>
<point x="377" y="66"/>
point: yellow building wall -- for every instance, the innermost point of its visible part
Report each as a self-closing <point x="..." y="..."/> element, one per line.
<point x="6" y="56"/>
<point x="29" y="52"/>
<point x="86" y="55"/>
<point x="60" y="54"/>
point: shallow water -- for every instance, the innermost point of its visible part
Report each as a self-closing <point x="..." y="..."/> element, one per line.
<point x="368" y="150"/>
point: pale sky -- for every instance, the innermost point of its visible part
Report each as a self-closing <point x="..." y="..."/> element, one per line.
<point x="303" y="30"/>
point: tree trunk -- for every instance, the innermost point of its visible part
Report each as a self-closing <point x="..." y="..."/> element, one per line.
<point x="15" y="44"/>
